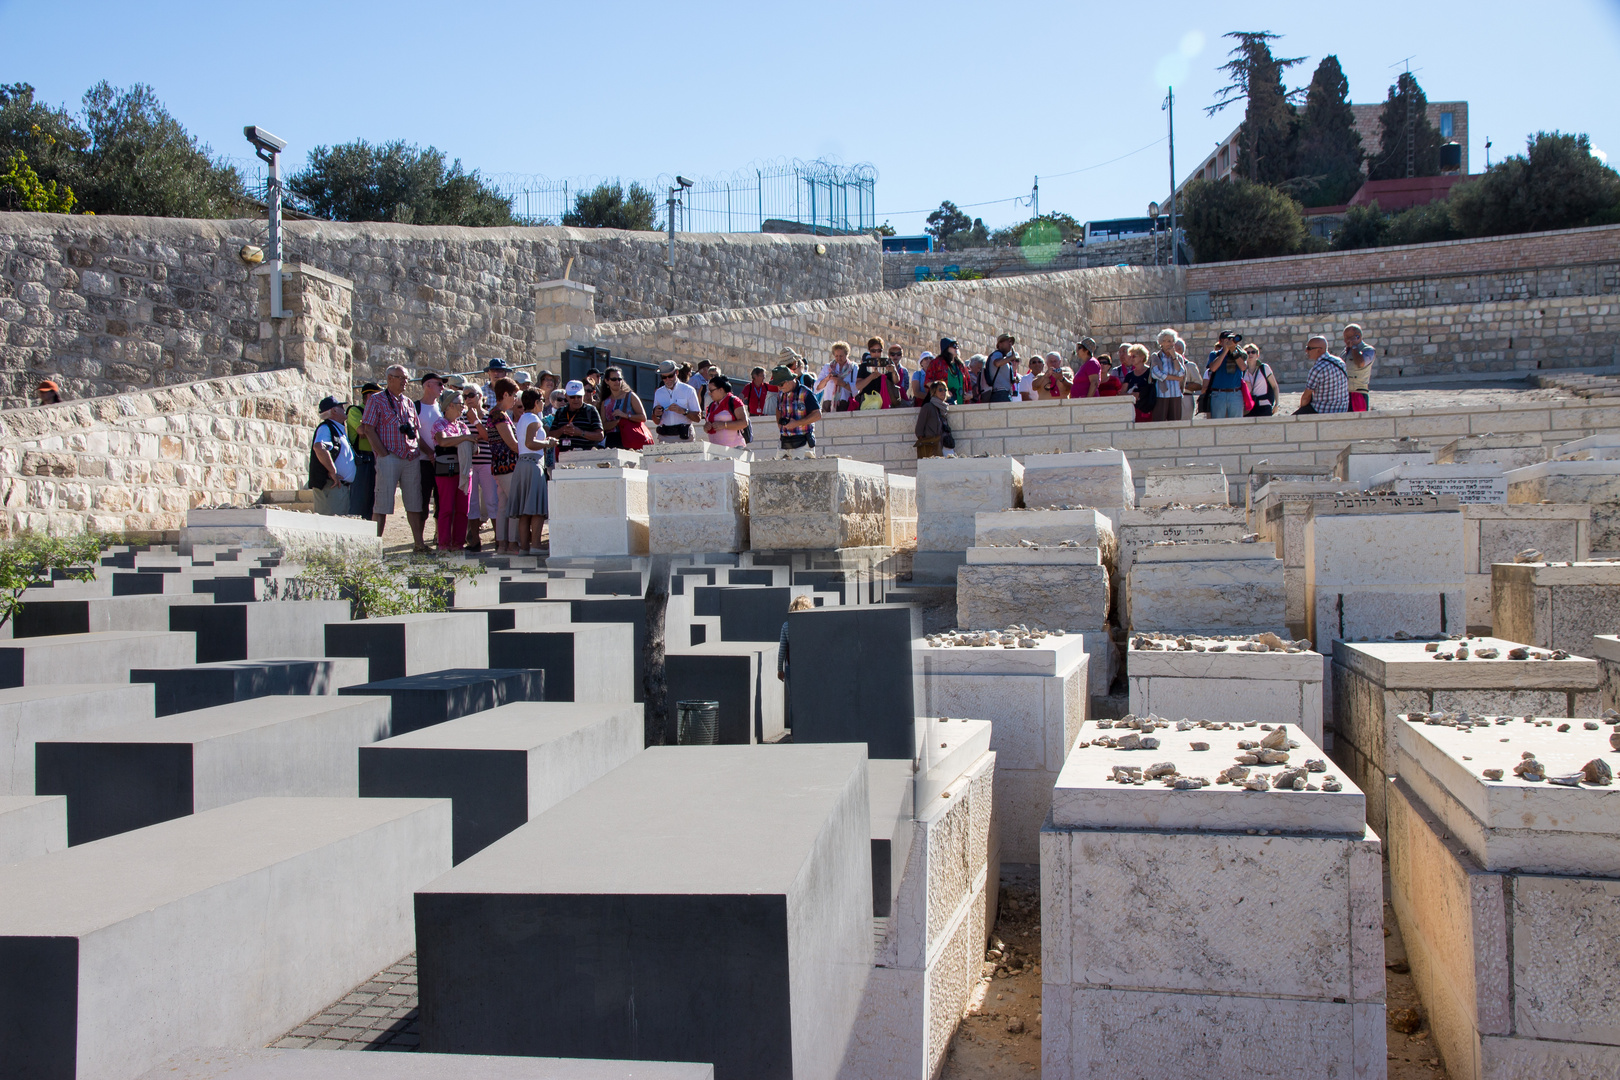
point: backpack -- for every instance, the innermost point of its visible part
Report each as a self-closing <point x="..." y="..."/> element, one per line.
<point x="317" y="472"/>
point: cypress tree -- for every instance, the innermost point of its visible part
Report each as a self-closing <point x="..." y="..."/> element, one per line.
<point x="1328" y="159"/>
<point x="1406" y="98"/>
<point x="1266" y="140"/>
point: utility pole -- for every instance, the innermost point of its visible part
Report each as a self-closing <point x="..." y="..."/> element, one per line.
<point x="669" y="260"/>
<point x="1035" y="196"/>
<point x="1170" y="109"/>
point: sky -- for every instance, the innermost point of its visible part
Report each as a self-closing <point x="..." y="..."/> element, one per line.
<point x="961" y="101"/>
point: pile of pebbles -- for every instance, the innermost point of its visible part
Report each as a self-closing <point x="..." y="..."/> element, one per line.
<point x="1247" y="538"/>
<point x="1267" y="642"/>
<point x="1595" y="773"/>
<point x="1014" y="637"/>
<point x="1271" y="750"/>
<point x="1444" y="649"/>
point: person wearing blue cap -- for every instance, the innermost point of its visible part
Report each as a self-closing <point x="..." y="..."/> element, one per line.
<point x="331" y="460"/>
<point x="496" y="369"/>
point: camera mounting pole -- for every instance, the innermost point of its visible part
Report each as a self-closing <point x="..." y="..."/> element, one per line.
<point x="268" y="148"/>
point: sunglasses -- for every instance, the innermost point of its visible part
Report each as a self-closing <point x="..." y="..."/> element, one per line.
<point x="671" y="375"/>
<point x="614" y="378"/>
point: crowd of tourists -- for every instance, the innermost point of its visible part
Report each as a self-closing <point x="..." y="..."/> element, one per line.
<point x="468" y="454"/>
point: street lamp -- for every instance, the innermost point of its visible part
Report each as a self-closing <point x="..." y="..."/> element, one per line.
<point x="268" y="147"/>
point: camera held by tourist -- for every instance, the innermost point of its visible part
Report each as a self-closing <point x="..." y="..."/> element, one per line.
<point x="1225" y="369"/>
<point x="797" y="410"/>
<point x="331" y="460"/>
<point x="880" y="378"/>
<point x="675" y="405"/>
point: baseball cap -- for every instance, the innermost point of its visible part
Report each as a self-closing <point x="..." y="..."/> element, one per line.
<point x="575" y="388"/>
<point x="370" y="388"/>
<point x="432" y="376"/>
<point x="522" y="378"/>
<point x="328" y="403"/>
<point x="781" y="374"/>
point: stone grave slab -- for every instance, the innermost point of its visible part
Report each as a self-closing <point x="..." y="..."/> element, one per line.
<point x="31" y="825"/>
<point x="741" y="676"/>
<point x="226" y="927"/>
<point x="1562" y="532"/>
<point x="29" y="714"/>
<point x="1141" y="528"/>
<point x="747" y="912"/>
<point x="528" y="588"/>
<point x="951" y="491"/>
<point x="1357" y="585"/>
<point x="1272" y="687"/>
<point x="502" y="767"/>
<point x="1502" y="886"/>
<point x="1471" y="482"/>
<point x="1591" y="448"/>
<point x="46" y="618"/>
<point x="697" y="504"/>
<point x="419" y="701"/>
<point x="1263" y="473"/>
<point x="1366" y="458"/>
<point x="902" y="500"/>
<point x="1594" y="482"/>
<point x="139" y="774"/>
<point x="1050" y="596"/>
<point x="1209" y="588"/>
<point x="521" y="615"/>
<point x="66" y="659"/>
<point x="1508" y="451"/>
<point x="1035" y="699"/>
<point x="854" y="677"/>
<point x="1555" y="606"/>
<point x="1278" y="515"/>
<point x="267" y="527"/>
<point x="597" y="511"/>
<point x="1605" y="649"/>
<point x="1049" y="528"/>
<point x="890" y="789"/>
<point x="1184" y="485"/>
<point x="204" y="686"/>
<point x="584" y="662"/>
<point x="1096" y="478"/>
<point x="274" y="1064"/>
<point x="1373" y="682"/>
<point x="819" y="503"/>
<point x="259" y="630"/>
<point x="1128" y="974"/>
<point x="400" y="645"/>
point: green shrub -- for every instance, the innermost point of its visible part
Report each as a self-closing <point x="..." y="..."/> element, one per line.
<point x="1236" y="219"/>
<point x="28" y="559"/>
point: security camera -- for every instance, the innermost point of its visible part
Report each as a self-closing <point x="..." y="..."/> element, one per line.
<point x="262" y="139"/>
<point x="683" y="181"/>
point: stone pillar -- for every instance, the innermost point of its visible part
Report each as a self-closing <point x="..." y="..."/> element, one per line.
<point x="564" y="312"/>
<point x="316" y="336"/>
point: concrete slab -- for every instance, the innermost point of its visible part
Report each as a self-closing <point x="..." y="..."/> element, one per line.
<point x="583" y="661"/>
<point x="266" y="527"/>
<point x="597" y="511"/>
<point x="1493" y="534"/>
<point x="741" y="676"/>
<point x="400" y="645"/>
<point x="1185" y="485"/>
<point x="31" y="713"/>
<point x="65" y="659"/>
<point x="1555" y="606"/>
<point x="272" y="1064"/>
<point x="502" y="767"/>
<point x="139" y="774"/>
<point x="820" y="503"/>
<point x="204" y="686"/>
<point x="31" y="825"/>
<point x="696" y="505"/>
<point x="1353" y="589"/>
<point x="950" y="491"/>
<point x="1592" y="482"/>
<point x="1471" y="482"/>
<point x="1508" y="451"/>
<point x="1096" y="478"/>
<point x="854" y="677"/>
<point x="1208" y="588"/>
<point x="45" y="618"/>
<point x="226" y="927"/>
<point x="259" y="630"/>
<point x="747" y="912"/>
<point x="420" y="701"/>
<point x="1063" y="597"/>
<point x="1366" y="458"/>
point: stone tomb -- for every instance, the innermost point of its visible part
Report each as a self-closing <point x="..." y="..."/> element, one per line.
<point x="697" y="502"/>
<point x="950" y="492"/>
<point x="47" y="617"/>
<point x="817" y="504"/>
<point x="1035" y="699"/>
<point x="1141" y="528"/>
<point x="1097" y="478"/>
<point x="598" y="509"/>
<point x="1373" y="682"/>
<point x="1605" y="446"/>
<point x="1555" y="607"/>
<point x="1178" y="938"/>
<point x="741" y="925"/>
<point x="274" y="1064"/>
<point x="259" y="630"/>
<point x="1184" y="485"/>
<point x="502" y="767"/>
<point x="1471" y="482"/>
<point x="1271" y="687"/>
<point x="204" y="686"/>
<point x="223" y="928"/>
<point x="1595" y="483"/>
<point x="1509" y="451"/>
<point x="902" y="511"/>
<point x="66" y="659"/>
<point x="400" y="645"/>
<point x="583" y="661"/>
<point x="31" y="825"/>
<point x="286" y="530"/>
<point x="1046" y="586"/>
<point x="29" y="714"/>
<point x="1278" y="515"/>
<point x="128" y="777"/>
<point x="1605" y="649"/>
<point x="1209" y="588"/>
<point x="1365" y="459"/>
<point x="1380" y="565"/>
<point x="1562" y="532"/>
<point x="419" y="701"/>
<point x="856" y="676"/>
<point x="1508" y="893"/>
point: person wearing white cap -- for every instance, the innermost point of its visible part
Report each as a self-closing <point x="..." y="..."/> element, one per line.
<point x="578" y="425"/>
<point x="675" y="406"/>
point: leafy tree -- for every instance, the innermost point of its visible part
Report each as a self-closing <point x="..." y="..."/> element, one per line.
<point x="395" y="182"/>
<point x="1429" y="223"/>
<point x="1048" y="229"/>
<point x="140" y="160"/>
<point x="1364" y="227"/>
<point x="53" y="140"/>
<point x="20" y="189"/>
<point x="1327" y="160"/>
<point x="1555" y="184"/>
<point x="953" y="230"/>
<point x="1406" y="98"/>
<point x="379" y="585"/>
<point x="28" y="559"/>
<point x="610" y="206"/>
<point x="1238" y="219"/>
<point x="885" y="229"/>
<point x="1269" y="131"/>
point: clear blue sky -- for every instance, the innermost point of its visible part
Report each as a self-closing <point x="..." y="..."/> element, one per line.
<point x="960" y="101"/>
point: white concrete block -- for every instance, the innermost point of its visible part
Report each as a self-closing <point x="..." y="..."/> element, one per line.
<point x="31" y="825"/>
<point x="274" y="1064"/>
<point x="1098" y="478"/>
<point x="31" y="714"/>
<point x="1471" y="482"/>
<point x="598" y="511"/>
<point x="1187" y="485"/>
<point x="696" y="505"/>
<point x="287" y="530"/>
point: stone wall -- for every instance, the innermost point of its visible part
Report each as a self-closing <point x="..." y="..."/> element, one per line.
<point x="900" y="270"/>
<point x="137" y="462"/>
<point x="112" y="304"/>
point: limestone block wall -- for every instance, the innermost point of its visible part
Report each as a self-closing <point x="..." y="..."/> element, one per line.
<point x="112" y="304"/>
<point x="137" y="462"/>
<point x="900" y="270"/>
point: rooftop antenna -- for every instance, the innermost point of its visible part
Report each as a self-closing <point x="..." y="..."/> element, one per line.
<point x="1411" y="130"/>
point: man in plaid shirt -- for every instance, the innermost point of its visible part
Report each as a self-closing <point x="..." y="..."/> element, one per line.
<point x="390" y="424"/>
<point x="797" y="410"/>
<point x="1327" y="387"/>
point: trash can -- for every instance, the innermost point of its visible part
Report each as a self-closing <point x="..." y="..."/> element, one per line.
<point x="697" y="723"/>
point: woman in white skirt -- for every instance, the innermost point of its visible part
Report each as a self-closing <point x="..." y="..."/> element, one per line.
<point x="527" y="489"/>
